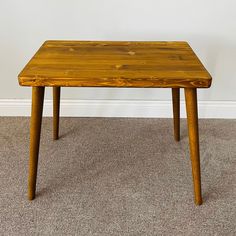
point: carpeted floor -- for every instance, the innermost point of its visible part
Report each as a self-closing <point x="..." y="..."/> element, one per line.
<point x="117" y="177"/>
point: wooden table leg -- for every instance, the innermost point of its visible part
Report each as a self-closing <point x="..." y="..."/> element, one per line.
<point x="176" y="111"/>
<point x="35" y="129"/>
<point x="192" y="116"/>
<point x="56" y="111"/>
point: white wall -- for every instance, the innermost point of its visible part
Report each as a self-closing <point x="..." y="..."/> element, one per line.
<point x="208" y="25"/>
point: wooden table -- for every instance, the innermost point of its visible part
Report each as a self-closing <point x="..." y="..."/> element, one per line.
<point x="115" y="64"/>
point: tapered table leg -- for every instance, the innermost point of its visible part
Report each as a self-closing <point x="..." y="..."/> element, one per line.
<point x="192" y="116"/>
<point x="56" y="111"/>
<point x="35" y="129"/>
<point x="176" y="112"/>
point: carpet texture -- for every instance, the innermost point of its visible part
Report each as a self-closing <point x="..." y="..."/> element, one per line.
<point x="110" y="176"/>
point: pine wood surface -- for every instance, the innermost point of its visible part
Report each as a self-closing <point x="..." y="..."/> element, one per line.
<point x="115" y="64"/>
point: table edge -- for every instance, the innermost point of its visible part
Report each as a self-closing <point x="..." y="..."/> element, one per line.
<point x="115" y="82"/>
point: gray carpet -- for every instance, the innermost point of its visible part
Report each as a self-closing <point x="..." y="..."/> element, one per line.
<point x="117" y="177"/>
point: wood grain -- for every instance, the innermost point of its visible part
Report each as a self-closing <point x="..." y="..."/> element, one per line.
<point x="35" y="130"/>
<point x="176" y="112"/>
<point x="56" y="111"/>
<point x="115" y="64"/>
<point x="192" y="116"/>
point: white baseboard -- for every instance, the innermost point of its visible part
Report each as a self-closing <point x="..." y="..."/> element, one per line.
<point x="119" y="108"/>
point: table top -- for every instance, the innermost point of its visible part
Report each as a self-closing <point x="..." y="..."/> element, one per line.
<point x="115" y="64"/>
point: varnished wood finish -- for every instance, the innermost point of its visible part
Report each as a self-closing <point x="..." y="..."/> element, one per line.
<point x="35" y="129"/>
<point x="192" y="116"/>
<point x="176" y="112"/>
<point x="115" y="64"/>
<point x="56" y="111"/>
